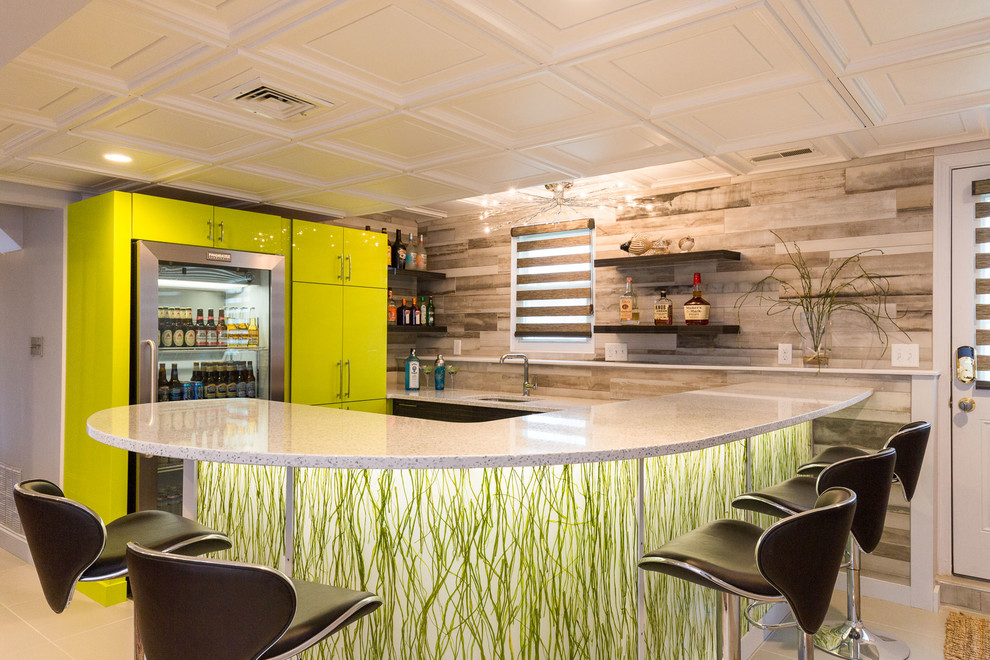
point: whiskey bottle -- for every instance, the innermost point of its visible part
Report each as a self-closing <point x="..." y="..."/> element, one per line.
<point x="628" y="305"/>
<point x="697" y="310"/>
<point x="398" y="251"/>
<point x="421" y="255"/>
<point x="663" y="310"/>
<point x="391" y="310"/>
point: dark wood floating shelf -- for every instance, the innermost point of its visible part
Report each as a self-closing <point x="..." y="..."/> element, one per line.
<point x="669" y="259"/>
<point x="419" y="274"/>
<point x="686" y="330"/>
<point x="416" y="329"/>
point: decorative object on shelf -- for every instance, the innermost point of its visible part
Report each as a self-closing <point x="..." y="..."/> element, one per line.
<point x="641" y="244"/>
<point x="686" y="244"/>
<point x="844" y="284"/>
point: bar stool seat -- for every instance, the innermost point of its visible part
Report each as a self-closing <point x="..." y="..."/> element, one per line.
<point x="69" y="542"/>
<point x="208" y="608"/>
<point x="795" y="560"/>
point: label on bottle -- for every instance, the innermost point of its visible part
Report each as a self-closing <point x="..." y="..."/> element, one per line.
<point x="402" y="254"/>
<point x="221" y="390"/>
<point x="696" y="312"/>
<point x="211" y="337"/>
<point x="625" y="309"/>
<point x="178" y="339"/>
<point x="167" y="338"/>
<point x="251" y="392"/>
<point x="662" y="312"/>
<point x="242" y="388"/>
<point x="200" y="336"/>
<point x="222" y="338"/>
<point x="190" y="337"/>
<point x="176" y="393"/>
<point x="412" y="375"/>
<point x="211" y="391"/>
<point x="163" y="392"/>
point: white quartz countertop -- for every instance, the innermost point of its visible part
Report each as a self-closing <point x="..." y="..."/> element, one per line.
<point x="505" y="400"/>
<point x="257" y="432"/>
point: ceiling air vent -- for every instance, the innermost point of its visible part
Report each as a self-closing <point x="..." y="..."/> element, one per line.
<point x="267" y="101"/>
<point x="790" y="153"/>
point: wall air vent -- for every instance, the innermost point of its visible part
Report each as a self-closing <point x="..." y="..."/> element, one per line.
<point x="264" y="100"/>
<point x="790" y="153"/>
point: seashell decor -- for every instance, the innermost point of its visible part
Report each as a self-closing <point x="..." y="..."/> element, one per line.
<point x="641" y="244"/>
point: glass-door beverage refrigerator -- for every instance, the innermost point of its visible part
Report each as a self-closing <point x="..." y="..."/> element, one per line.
<point x="207" y="323"/>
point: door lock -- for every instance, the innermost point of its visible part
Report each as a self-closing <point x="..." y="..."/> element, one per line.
<point x="965" y="364"/>
<point x="966" y="404"/>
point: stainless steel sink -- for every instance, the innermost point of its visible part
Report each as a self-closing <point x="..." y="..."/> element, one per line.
<point x="504" y="399"/>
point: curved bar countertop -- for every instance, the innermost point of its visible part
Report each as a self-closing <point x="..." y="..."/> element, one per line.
<point x="256" y="432"/>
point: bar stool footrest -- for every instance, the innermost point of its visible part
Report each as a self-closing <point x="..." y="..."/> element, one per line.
<point x="854" y="642"/>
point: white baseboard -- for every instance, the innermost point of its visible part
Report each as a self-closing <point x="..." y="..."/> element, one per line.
<point x="15" y="544"/>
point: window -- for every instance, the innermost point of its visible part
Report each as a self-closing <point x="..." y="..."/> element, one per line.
<point x="552" y="285"/>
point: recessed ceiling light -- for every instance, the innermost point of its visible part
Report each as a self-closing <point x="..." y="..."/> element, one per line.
<point x="117" y="158"/>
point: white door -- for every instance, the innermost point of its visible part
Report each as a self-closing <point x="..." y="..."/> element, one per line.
<point x="971" y="327"/>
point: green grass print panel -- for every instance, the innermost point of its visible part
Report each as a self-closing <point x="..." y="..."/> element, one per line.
<point x="501" y="563"/>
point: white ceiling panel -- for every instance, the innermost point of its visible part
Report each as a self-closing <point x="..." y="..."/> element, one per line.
<point x="927" y="87"/>
<point x="408" y="190"/>
<point x="212" y="91"/>
<point x="44" y="101"/>
<point x="187" y="135"/>
<point x="953" y="128"/>
<point x="236" y="184"/>
<point x="769" y="119"/>
<point x="527" y="111"/>
<point x="861" y="34"/>
<point x="404" y="141"/>
<point x="498" y="173"/>
<point x="336" y="203"/>
<point x="222" y="18"/>
<point x="79" y="153"/>
<point x="309" y="166"/>
<point x="15" y="137"/>
<point x="402" y="50"/>
<point x="612" y="151"/>
<point x="115" y="48"/>
<point x="740" y="53"/>
<point x="52" y="176"/>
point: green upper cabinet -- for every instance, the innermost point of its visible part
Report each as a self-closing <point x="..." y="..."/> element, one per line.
<point x="171" y="221"/>
<point x="188" y="223"/>
<point x="328" y="254"/>
<point x="317" y="252"/>
<point x="248" y="231"/>
<point x="365" y="258"/>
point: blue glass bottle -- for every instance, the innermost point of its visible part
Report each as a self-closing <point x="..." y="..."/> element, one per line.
<point x="439" y="373"/>
<point x="412" y="370"/>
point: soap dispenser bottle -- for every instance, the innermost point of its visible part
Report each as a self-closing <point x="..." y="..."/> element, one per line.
<point x="412" y="370"/>
<point x="439" y="373"/>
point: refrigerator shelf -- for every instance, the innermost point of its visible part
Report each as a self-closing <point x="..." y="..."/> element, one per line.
<point x="209" y="350"/>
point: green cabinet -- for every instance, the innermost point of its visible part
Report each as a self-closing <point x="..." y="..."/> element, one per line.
<point x="338" y="337"/>
<point x="188" y="223"/>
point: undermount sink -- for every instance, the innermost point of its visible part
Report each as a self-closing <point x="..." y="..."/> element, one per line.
<point x="504" y="399"/>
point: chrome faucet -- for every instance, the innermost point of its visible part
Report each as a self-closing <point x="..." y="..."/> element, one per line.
<point x="527" y="386"/>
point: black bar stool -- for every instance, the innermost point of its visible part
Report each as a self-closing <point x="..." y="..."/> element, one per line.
<point x="795" y="560"/>
<point x="910" y="442"/>
<point x="69" y="542"/>
<point x="207" y="608"/>
<point x="870" y="477"/>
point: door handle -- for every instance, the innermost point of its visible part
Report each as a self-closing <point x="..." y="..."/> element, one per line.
<point x="348" y="268"/>
<point x="348" y="363"/>
<point x="209" y="230"/>
<point x="340" y="258"/>
<point x="153" y="391"/>
<point x="340" y="379"/>
<point x="966" y="404"/>
<point x="221" y="231"/>
<point x="965" y="364"/>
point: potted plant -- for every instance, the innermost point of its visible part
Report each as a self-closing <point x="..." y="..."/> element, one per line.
<point x="844" y="284"/>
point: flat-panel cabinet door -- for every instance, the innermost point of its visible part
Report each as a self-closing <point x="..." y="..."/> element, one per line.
<point x="245" y="230"/>
<point x="171" y="221"/>
<point x="317" y="252"/>
<point x="364" y="258"/>
<point x="379" y="406"/>
<point x="364" y="343"/>
<point x="316" y="367"/>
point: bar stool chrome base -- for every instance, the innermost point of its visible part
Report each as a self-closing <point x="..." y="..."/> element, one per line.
<point x="854" y="642"/>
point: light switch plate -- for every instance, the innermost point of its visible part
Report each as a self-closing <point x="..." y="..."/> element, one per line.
<point x="784" y="354"/>
<point x="616" y="352"/>
<point x="904" y="355"/>
<point x="37" y="346"/>
<point x="457" y="347"/>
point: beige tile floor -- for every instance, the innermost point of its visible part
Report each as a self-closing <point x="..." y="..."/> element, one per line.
<point x="88" y="631"/>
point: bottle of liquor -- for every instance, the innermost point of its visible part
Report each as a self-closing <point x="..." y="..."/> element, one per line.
<point x="430" y="313"/>
<point x="439" y="373"/>
<point x="421" y="255"/>
<point x="697" y="310"/>
<point x="251" y="384"/>
<point x="221" y="330"/>
<point x="407" y="315"/>
<point x="175" y="385"/>
<point x="417" y="314"/>
<point x="398" y="251"/>
<point x="167" y="329"/>
<point x="411" y="251"/>
<point x="163" y="387"/>
<point x="179" y="330"/>
<point x="200" y="328"/>
<point x="254" y="338"/>
<point x="628" y="305"/>
<point x="423" y="311"/>
<point x="221" y="376"/>
<point x="231" y="381"/>
<point x="197" y="375"/>
<point x="390" y="309"/>
<point x="663" y="310"/>
<point x="210" y="384"/>
<point x="211" y="329"/>
<point x="412" y="370"/>
<point x="389" y="242"/>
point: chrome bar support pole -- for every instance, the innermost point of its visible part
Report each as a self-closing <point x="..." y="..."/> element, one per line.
<point x="729" y="636"/>
<point x="748" y="472"/>
<point x="640" y="550"/>
<point x="290" y="523"/>
<point x="806" y="646"/>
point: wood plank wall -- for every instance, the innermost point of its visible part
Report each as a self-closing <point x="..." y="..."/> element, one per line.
<point x="830" y="211"/>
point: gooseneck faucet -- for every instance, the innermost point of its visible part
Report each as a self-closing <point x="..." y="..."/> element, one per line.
<point x="527" y="386"/>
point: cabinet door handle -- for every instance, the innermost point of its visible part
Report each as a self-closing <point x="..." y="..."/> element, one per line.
<point x="348" y="268"/>
<point x="340" y="258"/>
<point x="221" y="231"/>
<point x="340" y="374"/>
<point x="348" y="394"/>
<point x="209" y="230"/>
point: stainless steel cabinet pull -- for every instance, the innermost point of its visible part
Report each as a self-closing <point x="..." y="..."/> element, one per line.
<point x="348" y="268"/>
<point x="209" y="230"/>
<point x="340" y="258"/>
<point x="340" y="372"/>
<point x="221" y="231"/>
<point x="152" y="376"/>
<point x="348" y="363"/>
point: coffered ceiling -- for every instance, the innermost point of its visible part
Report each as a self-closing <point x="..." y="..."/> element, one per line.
<point x="385" y="105"/>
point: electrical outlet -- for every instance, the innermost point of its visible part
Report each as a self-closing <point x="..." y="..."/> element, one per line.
<point x="904" y="355"/>
<point x="616" y="352"/>
<point x="457" y="347"/>
<point x="784" y="355"/>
